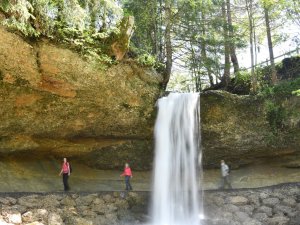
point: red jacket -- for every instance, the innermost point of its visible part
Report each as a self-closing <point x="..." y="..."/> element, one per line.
<point x="127" y="172"/>
<point x="66" y="167"/>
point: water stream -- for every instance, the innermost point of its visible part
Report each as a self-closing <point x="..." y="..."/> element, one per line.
<point x="176" y="197"/>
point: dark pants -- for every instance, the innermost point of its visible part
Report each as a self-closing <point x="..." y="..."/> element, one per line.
<point x="127" y="182"/>
<point x="225" y="181"/>
<point x="65" y="181"/>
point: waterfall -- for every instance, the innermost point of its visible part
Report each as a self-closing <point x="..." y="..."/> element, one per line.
<point x="176" y="199"/>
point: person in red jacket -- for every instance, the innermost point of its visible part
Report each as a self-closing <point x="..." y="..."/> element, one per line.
<point x="65" y="171"/>
<point x="128" y="175"/>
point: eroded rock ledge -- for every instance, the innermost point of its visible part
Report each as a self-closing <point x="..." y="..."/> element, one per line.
<point x="54" y="102"/>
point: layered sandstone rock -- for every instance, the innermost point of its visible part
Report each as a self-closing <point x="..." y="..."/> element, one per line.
<point x="241" y="129"/>
<point x="54" y="102"/>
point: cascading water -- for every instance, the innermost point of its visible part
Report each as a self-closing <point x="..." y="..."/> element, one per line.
<point x="176" y="199"/>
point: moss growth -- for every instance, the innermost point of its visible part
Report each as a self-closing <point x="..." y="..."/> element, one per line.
<point x="276" y="115"/>
<point x="281" y="90"/>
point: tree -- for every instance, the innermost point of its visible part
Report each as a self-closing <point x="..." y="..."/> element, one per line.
<point x="233" y="56"/>
<point x="249" y="8"/>
<point x="168" y="41"/>
<point x="226" y="74"/>
<point x="266" y="7"/>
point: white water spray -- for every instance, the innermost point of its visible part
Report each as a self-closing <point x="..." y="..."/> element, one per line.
<point x="176" y="199"/>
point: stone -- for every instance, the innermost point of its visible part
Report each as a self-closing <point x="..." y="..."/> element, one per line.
<point x="271" y="202"/>
<point x="285" y="210"/>
<point x="264" y="195"/>
<point x="81" y="221"/>
<point x="252" y="222"/>
<point x="242" y="216"/>
<point x="27" y="217"/>
<point x="218" y="200"/>
<point x="99" y="209"/>
<point x="41" y="213"/>
<point x="86" y="200"/>
<point x="238" y="200"/>
<point x="31" y="201"/>
<point x="262" y="217"/>
<point x="289" y="202"/>
<point x="254" y="200"/>
<point x="247" y="209"/>
<point x="112" y="218"/>
<point x="68" y="201"/>
<point x="108" y="198"/>
<point x="35" y="223"/>
<point x="13" y="201"/>
<point x="50" y="201"/>
<point x="295" y="220"/>
<point x="4" y="201"/>
<point x="14" y="218"/>
<point x="266" y="210"/>
<point x="121" y="204"/>
<point x="278" y="220"/>
<point x="3" y="222"/>
<point x="55" y="219"/>
<point x="231" y="208"/>
<point x="98" y="201"/>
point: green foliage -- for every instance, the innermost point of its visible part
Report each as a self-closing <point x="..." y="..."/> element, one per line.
<point x="21" y="15"/>
<point x="283" y="89"/>
<point x="67" y="21"/>
<point x="147" y="60"/>
<point x="243" y="77"/>
<point x="275" y="116"/>
<point x="297" y="92"/>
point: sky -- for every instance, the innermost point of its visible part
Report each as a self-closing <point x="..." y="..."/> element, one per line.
<point x="282" y="48"/>
<point x="244" y="57"/>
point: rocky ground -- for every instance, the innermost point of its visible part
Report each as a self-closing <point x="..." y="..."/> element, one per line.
<point x="277" y="205"/>
<point x="73" y="209"/>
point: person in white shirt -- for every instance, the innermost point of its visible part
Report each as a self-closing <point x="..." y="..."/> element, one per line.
<point x="225" y="175"/>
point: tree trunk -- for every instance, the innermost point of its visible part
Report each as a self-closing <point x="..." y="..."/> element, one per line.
<point x="249" y="7"/>
<point x="233" y="56"/>
<point x="168" y="42"/>
<point x="270" y="45"/>
<point x="93" y="14"/>
<point x="160" y="25"/>
<point x="60" y="8"/>
<point x="203" y="52"/>
<point x="226" y="75"/>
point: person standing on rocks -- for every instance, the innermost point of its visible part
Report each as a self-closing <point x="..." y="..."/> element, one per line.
<point x="225" y="175"/>
<point x="65" y="171"/>
<point x="128" y="175"/>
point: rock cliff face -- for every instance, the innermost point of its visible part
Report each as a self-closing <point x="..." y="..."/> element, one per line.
<point x="54" y="102"/>
<point x="244" y="129"/>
